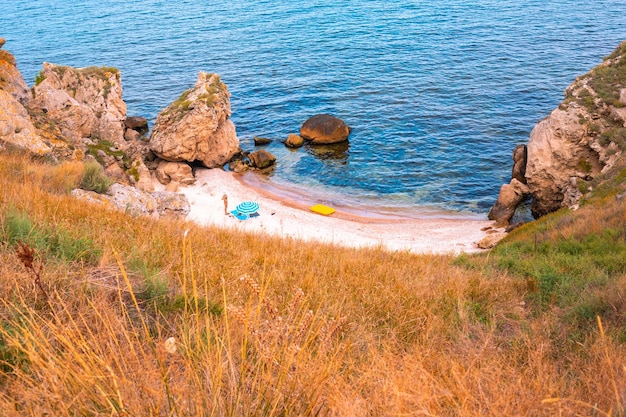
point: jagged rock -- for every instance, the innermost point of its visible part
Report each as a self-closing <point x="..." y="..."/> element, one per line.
<point x="511" y="195"/>
<point x="172" y="205"/>
<point x="262" y="159"/>
<point x="16" y="127"/>
<point x="294" y="141"/>
<point x="140" y="176"/>
<point x="196" y="127"/>
<point x="324" y="129"/>
<point x="180" y="172"/>
<point x="136" y="123"/>
<point x="520" y="158"/>
<point x="259" y="141"/>
<point x="491" y="240"/>
<point x="11" y="79"/>
<point x="2" y="42"/>
<point x="83" y="103"/>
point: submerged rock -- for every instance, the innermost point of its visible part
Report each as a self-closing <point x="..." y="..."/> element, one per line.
<point x="294" y="141"/>
<point x="262" y="159"/>
<point x="324" y="129"/>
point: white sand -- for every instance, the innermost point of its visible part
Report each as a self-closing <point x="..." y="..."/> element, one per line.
<point x="288" y="218"/>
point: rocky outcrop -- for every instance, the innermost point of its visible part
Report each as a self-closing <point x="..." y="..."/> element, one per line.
<point x="520" y="159"/>
<point x="138" y="203"/>
<point x="83" y="103"/>
<point x="511" y="195"/>
<point x="579" y="141"/>
<point x="324" y="129"/>
<point x="16" y="127"/>
<point x="11" y="79"/>
<point x="197" y="126"/>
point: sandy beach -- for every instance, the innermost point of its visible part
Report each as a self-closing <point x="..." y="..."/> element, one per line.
<point x="290" y="217"/>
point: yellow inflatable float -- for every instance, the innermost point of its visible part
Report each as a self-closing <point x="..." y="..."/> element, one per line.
<point x="322" y="209"/>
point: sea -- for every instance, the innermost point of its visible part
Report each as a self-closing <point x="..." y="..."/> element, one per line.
<point x="437" y="93"/>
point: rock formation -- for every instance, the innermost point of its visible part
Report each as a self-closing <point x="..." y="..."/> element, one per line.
<point x="578" y="141"/>
<point x="179" y="172"/>
<point x="83" y="103"/>
<point x="197" y="126"/>
<point x="11" y="79"/>
<point x="16" y="126"/>
<point x="520" y="158"/>
<point x="260" y="141"/>
<point x="137" y="202"/>
<point x="511" y="195"/>
<point x="324" y="129"/>
<point x="261" y="159"/>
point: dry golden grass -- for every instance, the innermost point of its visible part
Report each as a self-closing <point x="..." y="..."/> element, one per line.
<point x="174" y="319"/>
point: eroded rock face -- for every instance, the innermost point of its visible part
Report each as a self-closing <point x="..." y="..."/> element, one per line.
<point x="323" y="129"/>
<point x="83" y="103"/>
<point x="559" y="148"/>
<point x="11" y="79"/>
<point x="196" y="127"/>
<point x="579" y="141"/>
<point x="511" y="195"/>
<point x="179" y="172"/>
<point x="16" y="127"/>
<point x="520" y="159"/>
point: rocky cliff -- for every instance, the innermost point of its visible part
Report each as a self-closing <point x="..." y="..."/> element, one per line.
<point x="16" y="126"/>
<point x="575" y="145"/>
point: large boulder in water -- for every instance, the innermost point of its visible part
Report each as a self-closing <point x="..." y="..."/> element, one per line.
<point x="323" y="129"/>
<point x="197" y="126"/>
<point x="261" y="159"/>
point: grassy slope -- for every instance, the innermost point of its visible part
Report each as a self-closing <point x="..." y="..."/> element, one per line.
<point x="370" y="332"/>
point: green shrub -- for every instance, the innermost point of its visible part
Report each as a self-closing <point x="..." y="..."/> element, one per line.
<point x="39" y="78"/>
<point x="54" y="243"/>
<point x="94" y="178"/>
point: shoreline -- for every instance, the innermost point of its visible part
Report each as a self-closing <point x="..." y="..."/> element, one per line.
<point x="288" y="216"/>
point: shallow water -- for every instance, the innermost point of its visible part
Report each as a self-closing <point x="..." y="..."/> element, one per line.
<point x="437" y="93"/>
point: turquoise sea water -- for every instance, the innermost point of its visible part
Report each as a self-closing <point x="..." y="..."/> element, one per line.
<point x="437" y="93"/>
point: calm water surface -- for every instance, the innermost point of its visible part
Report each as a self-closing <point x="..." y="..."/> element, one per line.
<point x="437" y="93"/>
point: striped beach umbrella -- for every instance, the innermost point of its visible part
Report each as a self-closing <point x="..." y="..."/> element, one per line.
<point x="247" y="207"/>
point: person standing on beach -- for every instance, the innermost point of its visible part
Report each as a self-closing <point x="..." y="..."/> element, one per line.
<point x="225" y="199"/>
